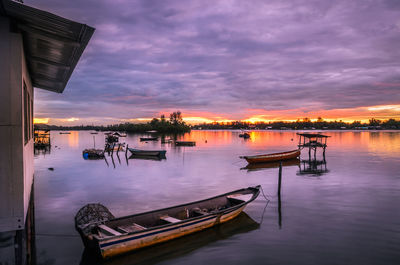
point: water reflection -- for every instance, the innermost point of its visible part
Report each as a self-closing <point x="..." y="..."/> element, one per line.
<point x="313" y="167"/>
<point x="262" y="166"/>
<point x="43" y="150"/>
<point x="181" y="246"/>
<point x="143" y="157"/>
<point x="347" y="221"/>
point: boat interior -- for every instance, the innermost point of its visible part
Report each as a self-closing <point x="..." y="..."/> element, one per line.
<point x="140" y="222"/>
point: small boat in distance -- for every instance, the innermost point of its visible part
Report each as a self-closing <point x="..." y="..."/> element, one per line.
<point x="65" y="132"/>
<point x="272" y="157"/>
<point x="94" y="133"/>
<point x="143" y="139"/>
<point x="185" y="143"/>
<point x="140" y="152"/>
<point x="109" y="236"/>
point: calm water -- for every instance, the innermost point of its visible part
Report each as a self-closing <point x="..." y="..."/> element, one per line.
<point x="348" y="213"/>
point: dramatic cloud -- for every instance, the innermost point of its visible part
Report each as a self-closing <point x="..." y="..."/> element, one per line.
<point x="226" y="58"/>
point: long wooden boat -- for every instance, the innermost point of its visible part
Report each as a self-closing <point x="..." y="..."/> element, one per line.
<point x="180" y="246"/>
<point x="140" y="152"/>
<point x="110" y="236"/>
<point x="185" y="143"/>
<point x="143" y="139"/>
<point x="272" y="157"/>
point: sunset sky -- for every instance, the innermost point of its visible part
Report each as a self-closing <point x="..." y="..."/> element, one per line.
<point x="229" y="60"/>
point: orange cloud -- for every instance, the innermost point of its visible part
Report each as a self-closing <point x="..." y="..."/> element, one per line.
<point x="41" y="120"/>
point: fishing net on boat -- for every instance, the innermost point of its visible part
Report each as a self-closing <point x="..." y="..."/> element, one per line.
<point x="91" y="215"/>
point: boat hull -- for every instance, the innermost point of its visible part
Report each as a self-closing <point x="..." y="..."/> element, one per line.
<point x="114" y="236"/>
<point x="185" y="143"/>
<point x="145" y="139"/>
<point x="114" y="247"/>
<point x="272" y="157"/>
<point x="160" y="153"/>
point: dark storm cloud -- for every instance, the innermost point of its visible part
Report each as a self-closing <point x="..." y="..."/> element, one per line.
<point x="227" y="56"/>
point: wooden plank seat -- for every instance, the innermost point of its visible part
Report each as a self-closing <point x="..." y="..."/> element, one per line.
<point x="108" y="230"/>
<point x="169" y="219"/>
<point x="130" y="228"/>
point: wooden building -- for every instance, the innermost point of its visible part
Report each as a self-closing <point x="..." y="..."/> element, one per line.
<point x="37" y="49"/>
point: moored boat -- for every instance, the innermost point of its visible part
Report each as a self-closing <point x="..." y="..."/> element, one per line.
<point x="274" y="164"/>
<point x="185" y="143"/>
<point x="140" y="152"/>
<point x="142" y="139"/>
<point x="110" y="236"/>
<point x="272" y="157"/>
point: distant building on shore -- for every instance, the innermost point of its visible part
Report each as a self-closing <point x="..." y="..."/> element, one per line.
<point x="37" y="49"/>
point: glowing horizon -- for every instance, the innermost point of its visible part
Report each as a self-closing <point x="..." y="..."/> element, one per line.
<point x="381" y="112"/>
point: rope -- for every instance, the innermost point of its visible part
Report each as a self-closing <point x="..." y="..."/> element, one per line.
<point x="266" y="198"/>
<point x="262" y="216"/>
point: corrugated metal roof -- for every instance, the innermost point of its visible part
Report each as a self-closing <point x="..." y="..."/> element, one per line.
<point x="53" y="45"/>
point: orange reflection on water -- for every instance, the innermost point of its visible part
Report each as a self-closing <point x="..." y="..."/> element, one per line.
<point x="258" y="139"/>
<point x="381" y="143"/>
<point x="73" y="139"/>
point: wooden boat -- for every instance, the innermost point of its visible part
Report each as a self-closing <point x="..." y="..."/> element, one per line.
<point x="143" y="139"/>
<point x="180" y="246"/>
<point x="140" y="152"/>
<point x="274" y="164"/>
<point x="94" y="133"/>
<point x="110" y="236"/>
<point x="65" y="132"/>
<point x="272" y="157"/>
<point x="92" y="154"/>
<point x="185" y="143"/>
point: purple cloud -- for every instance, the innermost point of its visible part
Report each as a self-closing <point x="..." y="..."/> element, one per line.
<point x="227" y="56"/>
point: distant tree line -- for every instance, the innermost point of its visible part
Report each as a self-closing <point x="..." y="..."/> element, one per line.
<point x="174" y="124"/>
<point x="305" y="124"/>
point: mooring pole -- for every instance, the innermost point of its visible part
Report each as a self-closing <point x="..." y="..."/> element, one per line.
<point x="279" y="196"/>
<point x="280" y="178"/>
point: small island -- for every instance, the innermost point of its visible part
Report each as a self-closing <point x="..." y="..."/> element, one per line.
<point x="174" y="124"/>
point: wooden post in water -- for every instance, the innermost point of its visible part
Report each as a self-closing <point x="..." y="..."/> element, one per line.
<point x="280" y="178"/>
<point x="279" y="196"/>
<point x="126" y="154"/>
